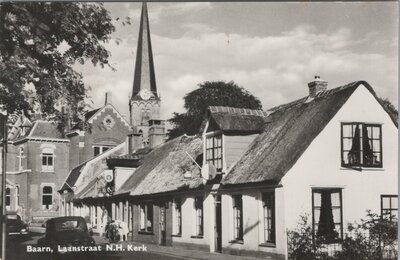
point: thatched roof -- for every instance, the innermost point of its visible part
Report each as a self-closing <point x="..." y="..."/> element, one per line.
<point x="163" y="168"/>
<point x="291" y="129"/>
<point x="237" y="119"/>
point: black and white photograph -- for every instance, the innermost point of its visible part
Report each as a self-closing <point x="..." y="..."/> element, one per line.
<point x="199" y="130"/>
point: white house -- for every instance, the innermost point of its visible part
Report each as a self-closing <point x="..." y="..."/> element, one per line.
<point x="336" y="147"/>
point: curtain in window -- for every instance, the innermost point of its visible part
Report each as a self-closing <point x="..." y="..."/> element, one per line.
<point x="368" y="155"/>
<point x="354" y="153"/>
<point x="326" y="224"/>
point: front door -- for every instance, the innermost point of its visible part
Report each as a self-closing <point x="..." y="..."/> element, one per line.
<point x="163" y="235"/>
<point x="218" y="224"/>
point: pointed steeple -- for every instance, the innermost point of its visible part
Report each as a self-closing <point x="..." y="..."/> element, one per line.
<point x="144" y="78"/>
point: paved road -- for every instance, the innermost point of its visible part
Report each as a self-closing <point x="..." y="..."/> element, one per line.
<point x="17" y="250"/>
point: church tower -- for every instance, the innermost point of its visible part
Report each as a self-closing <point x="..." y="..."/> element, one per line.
<point x="144" y="104"/>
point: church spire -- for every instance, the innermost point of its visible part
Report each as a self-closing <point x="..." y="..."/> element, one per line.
<point x="144" y="78"/>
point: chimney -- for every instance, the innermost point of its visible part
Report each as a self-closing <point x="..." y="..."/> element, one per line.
<point x="156" y="132"/>
<point x="108" y="98"/>
<point x="317" y="86"/>
<point x="134" y="142"/>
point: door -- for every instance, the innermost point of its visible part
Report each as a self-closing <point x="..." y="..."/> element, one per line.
<point x="218" y="224"/>
<point x="163" y="235"/>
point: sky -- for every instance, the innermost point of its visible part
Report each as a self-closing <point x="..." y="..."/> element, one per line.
<point x="272" y="49"/>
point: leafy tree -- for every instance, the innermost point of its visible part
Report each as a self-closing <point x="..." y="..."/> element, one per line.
<point x="210" y="93"/>
<point x="40" y="43"/>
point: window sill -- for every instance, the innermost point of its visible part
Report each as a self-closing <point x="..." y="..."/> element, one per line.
<point x="146" y="232"/>
<point x="199" y="237"/>
<point x="176" y="235"/>
<point x="236" y="241"/>
<point x="47" y="171"/>
<point x="267" y="244"/>
<point x="362" y="169"/>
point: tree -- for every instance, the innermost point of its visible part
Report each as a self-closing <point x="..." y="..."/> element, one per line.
<point x="210" y="93"/>
<point x="40" y="43"/>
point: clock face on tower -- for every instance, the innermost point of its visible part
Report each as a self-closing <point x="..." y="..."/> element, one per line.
<point x="145" y="94"/>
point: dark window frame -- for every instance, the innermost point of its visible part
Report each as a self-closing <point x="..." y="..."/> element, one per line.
<point x="237" y="205"/>
<point x="148" y="212"/>
<point x="331" y="190"/>
<point x="178" y="216"/>
<point x="199" y="215"/>
<point x="8" y="196"/>
<point x="388" y="196"/>
<point x="269" y="207"/>
<point x="361" y="156"/>
<point x="211" y="155"/>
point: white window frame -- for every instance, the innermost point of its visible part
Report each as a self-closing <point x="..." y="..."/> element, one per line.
<point x="8" y="205"/>
<point x="198" y="221"/>
<point x="102" y="148"/>
<point x="44" y="206"/>
<point x="177" y="217"/>
<point x="21" y="155"/>
<point x="49" y="153"/>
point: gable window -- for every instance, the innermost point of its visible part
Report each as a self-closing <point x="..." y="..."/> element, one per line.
<point x="178" y="216"/>
<point x="198" y="207"/>
<point x="361" y="145"/>
<point x="47" y="197"/>
<point x="8" y="196"/>
<point x="237" y="217"/>
<point x="47" y="159"/>
<point x="146" y="217"/>
<point x="389" y="207"/>
<point x="327" y="213"/>
<point x="214" y="151"/>
<point x="99" y="149"/>
<point x="268" y="200"/>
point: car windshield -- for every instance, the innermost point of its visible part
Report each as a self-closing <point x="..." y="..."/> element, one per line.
<point x="69" y="224"/>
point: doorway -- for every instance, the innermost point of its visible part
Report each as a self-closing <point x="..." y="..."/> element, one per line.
<point x="218" y="224"/>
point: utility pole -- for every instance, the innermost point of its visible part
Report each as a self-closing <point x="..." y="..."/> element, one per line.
<point x="3" y="189"/>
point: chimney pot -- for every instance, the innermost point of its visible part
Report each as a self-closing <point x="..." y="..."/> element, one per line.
<point x="317" y="86"/>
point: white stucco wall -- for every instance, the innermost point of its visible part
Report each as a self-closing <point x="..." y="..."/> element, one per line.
<point x="189" y="218"/>
<point x="253" y="224"/>
<point x="320" y="165"/>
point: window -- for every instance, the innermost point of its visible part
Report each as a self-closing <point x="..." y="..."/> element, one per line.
<point x="214" y="151"/>
<point x="198" y="207"/>
<point x="47" y="159"/>
<point x="389" y="207"/>
<point x="361" y="145"/>
<point x="327" y="213"/>
<point x="99" y="149"/>
<point x="20" y="157"/>
<point x="237" y="217"/>
<point x="16" y="196"/>
<point x="178" y="216"/>
<point x="47" y="197"/>
<point x="8" y="196"/>
<point x="146" y="218"/>
<point x="268" y="200"/>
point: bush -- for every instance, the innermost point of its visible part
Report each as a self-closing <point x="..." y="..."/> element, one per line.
<point x="374" y="238"/>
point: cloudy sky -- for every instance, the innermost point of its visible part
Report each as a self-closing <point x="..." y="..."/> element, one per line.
<point x="271" y="49"/>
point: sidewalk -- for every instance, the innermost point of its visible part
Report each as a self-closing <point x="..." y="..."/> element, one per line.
<point x="183" y="253"/>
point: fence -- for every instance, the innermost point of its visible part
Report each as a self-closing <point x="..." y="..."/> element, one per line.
<point x="353" y="245"/>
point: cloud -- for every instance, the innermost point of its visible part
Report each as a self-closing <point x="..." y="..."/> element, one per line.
<point x="275" y="68"/>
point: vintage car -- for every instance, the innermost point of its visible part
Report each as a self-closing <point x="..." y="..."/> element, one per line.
<point x="15" y="225"/>
<point x="65" y="232"/>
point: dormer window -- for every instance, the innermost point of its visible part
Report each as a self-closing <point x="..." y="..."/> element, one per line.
<point x="214" y="150"/>
<point x="361" y="145"/>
